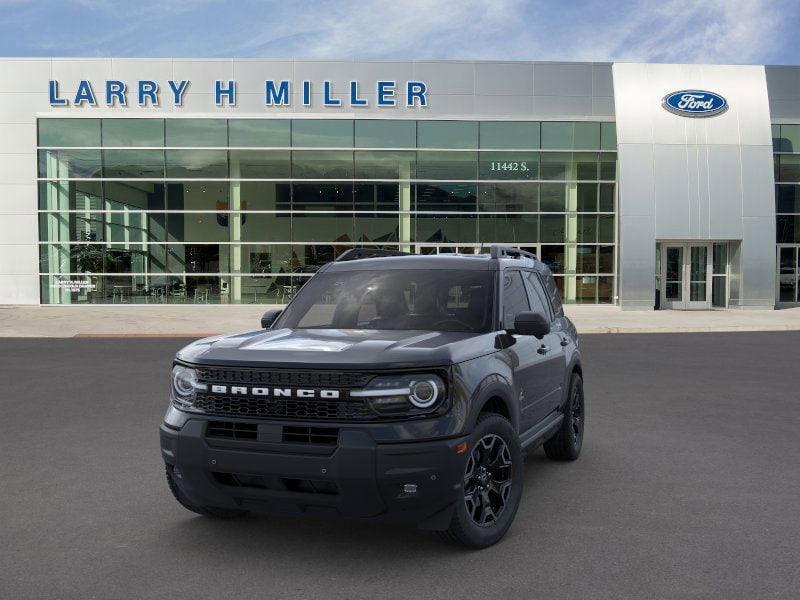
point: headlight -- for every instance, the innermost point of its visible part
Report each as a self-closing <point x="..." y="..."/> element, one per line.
<point x="403" y="394"/>
<point x="184" y="387"/>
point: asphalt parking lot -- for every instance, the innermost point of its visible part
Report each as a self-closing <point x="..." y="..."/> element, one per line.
<point x="688" y="487"/>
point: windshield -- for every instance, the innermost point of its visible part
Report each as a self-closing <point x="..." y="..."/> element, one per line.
<point x="433" y="300"/>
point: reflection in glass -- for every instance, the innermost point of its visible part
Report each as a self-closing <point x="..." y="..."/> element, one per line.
<point x="789" y="169"/>
<point x="447" y="134"/>
<point x="197" y="164"/>
<point x="322" y="164"/>
<point x="553" y="197"/>
<point x="446" y="196"/>
<point x="133" y="132"/>
<point x="382" y="196"/>
<point x="512" y="229"/>
<point x="322" y="227"/>
<point x="446" y="228"/>
<point x="322" y="196"/>
<point x="585" y="166"/>
<point x="259" y="133"/>
<point x="260" y="164"/>
<point x="377" y="227"/>
<point x="552" y="228"/>
<point x="447" y="165"/>
<point x="65" y="133"/>
<point x="64" y="164"/>
<point x="508" y="197"/>
<point x="385" y="165"/>
<point x="557" y="166"/>
<point x="587" y="259"/>
<point x="198" y="133"/>
<point x="132" y="164"/>
<point x="606" y="197"/>
<point x="322" y="133"/>
<point x="383" y="133"/>
<point x="587" y="197"/>
<point x="509" y="134"/>
<point x="608" y="136"/>
<point x="262" y="217"/>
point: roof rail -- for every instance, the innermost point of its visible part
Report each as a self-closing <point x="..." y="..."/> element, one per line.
<point x="509" y="252"/>
<point x="359" y="253"/>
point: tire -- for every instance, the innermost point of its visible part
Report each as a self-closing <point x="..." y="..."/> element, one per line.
<point x="567" y="442"/>
<point x="492" y="483"/>
<point x="206" y="511"/>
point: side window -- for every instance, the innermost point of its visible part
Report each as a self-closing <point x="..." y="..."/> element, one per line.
<point x="537" y="295"/>
<point x="552" y="291"/>
<point x="515" y="299"/>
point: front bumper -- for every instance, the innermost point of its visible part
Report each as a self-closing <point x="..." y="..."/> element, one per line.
<point x="356" y="478"/>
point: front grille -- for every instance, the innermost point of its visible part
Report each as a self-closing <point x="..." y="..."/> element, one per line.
<point x="313" y="379"/>
<point x="310" y="435"/>
<point x="284" y="408"/>
<point x="232" y="431"/>
<point x="259" y="482"/>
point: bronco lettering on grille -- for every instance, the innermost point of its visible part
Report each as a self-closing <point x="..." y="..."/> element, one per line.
<point x="240" y="390"/>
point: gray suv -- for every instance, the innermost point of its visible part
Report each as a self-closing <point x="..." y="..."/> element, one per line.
<point x="392" y="387"/>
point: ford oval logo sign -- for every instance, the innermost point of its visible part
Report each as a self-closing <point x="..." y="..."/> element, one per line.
<point x="695" y="103"/>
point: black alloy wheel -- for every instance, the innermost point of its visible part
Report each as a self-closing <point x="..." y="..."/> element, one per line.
<point x="492" y="484"/>
<point x="487" y="480"/>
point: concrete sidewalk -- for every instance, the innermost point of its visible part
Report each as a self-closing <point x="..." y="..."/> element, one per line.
<point x="198" y="321"/>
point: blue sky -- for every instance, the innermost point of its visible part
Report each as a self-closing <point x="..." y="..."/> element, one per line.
<point x="712" y="31"/>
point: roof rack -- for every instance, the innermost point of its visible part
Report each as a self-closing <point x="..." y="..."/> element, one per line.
<point x="509" y="252"/>
<point x="359" y="253"/>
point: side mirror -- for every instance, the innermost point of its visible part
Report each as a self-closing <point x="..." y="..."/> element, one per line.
<point x="269" y="317"/>
<point x="531" y="323"/>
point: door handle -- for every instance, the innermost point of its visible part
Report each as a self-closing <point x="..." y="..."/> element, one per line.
<point x="543" y="349"/>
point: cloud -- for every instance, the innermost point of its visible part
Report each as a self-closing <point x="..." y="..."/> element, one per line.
<point x="712" y="31"/>
<point x="685" y="31"/>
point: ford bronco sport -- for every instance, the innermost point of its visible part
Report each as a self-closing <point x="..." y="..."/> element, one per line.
<point x="392" y="387"/>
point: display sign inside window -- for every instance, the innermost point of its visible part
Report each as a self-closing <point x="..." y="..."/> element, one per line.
<point x="75" y="285"/>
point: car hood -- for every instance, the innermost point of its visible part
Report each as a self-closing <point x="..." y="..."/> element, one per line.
<point x="338" y="348"/>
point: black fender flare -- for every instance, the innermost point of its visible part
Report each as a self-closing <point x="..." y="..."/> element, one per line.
<point x="493" y="386"/>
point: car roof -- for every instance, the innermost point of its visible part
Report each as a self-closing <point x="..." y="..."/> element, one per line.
<point x="461" y="262"/>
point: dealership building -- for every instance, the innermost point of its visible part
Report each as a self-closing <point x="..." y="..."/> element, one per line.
<point x="127" y="181"/>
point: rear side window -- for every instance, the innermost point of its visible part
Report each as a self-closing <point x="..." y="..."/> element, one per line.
<point x="552" y="292"/>
<point x="537" y="295"/>
<point x="515" y="298"/>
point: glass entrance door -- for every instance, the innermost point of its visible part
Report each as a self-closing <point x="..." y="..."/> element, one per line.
<point x="686" y="276"/>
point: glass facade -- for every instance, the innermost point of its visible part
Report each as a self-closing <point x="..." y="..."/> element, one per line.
<point x="245" y="210"/>
<point x="786" y="148"/>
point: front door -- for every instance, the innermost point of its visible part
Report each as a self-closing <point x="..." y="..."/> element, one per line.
<point x="686" y="275"/>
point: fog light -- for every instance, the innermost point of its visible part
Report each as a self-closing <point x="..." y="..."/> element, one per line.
<point x="410" y="488"/>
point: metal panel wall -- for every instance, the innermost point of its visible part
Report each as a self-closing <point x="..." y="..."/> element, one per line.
<point x="694" y="178"/>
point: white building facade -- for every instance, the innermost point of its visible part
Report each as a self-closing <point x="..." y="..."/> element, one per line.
<point x="231" y="181"/>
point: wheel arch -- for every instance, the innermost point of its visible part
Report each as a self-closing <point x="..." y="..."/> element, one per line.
<point x="494" y="395"/>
